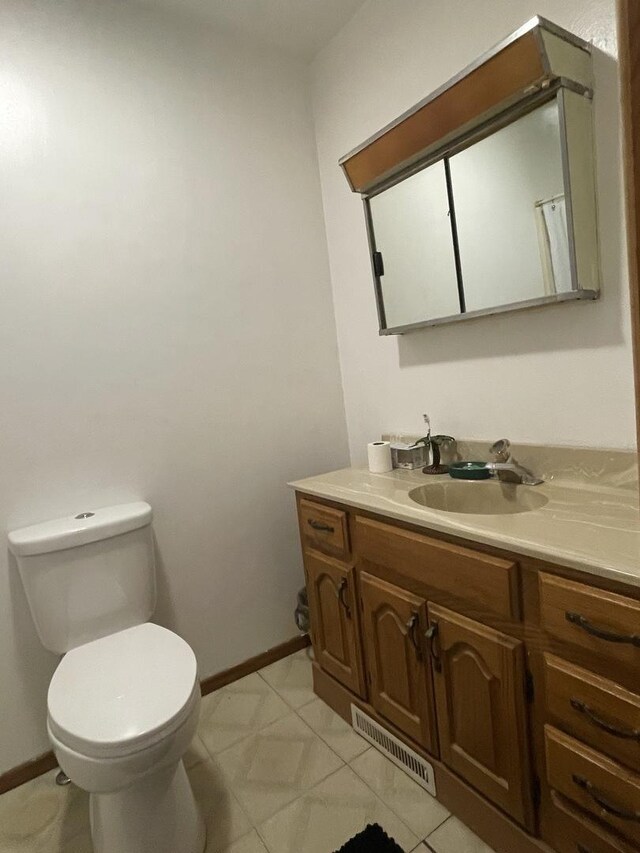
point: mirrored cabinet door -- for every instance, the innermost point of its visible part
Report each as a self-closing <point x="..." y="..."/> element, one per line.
<point x="411" y="231"/>
<point x="511" y="213"/>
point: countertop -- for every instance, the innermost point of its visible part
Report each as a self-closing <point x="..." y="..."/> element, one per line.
<point x="588" y="526"/>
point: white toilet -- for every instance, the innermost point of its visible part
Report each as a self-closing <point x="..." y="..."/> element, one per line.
<point x="123" y="703"/>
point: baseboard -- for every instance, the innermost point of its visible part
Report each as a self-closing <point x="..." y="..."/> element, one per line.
<point x="227" y="676"/>
<point x="43" y="763"/>
<point x="27" y="771"/>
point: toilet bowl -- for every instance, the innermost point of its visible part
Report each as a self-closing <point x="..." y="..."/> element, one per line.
<point x="122" y="711"/>
<point x="123" y="703"/>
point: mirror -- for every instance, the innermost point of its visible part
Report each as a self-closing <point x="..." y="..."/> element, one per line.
<point x="413" y="232"/>
<point x="487" y="228"/>
<point x="511" y="213"/>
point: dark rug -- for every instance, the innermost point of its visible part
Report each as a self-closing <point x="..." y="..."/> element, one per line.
<point x="373" y="839"/>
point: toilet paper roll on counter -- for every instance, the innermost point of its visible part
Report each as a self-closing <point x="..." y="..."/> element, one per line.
<point x="379" y="453"/>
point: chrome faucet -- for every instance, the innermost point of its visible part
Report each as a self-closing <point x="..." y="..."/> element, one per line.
<point x="507" y="469"/>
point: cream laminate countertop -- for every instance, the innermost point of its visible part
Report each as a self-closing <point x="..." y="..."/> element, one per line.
<point x="585" y="526"/>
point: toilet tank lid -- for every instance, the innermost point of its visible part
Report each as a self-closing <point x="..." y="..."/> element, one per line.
<point x="79" y="529"/>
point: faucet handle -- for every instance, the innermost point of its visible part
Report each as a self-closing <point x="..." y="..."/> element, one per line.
<point x="427" y="423"/>
<point x="501" y="450"/>
<point x="426" y="439"/>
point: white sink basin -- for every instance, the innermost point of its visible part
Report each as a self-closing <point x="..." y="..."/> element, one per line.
<point x="485" y="497"/>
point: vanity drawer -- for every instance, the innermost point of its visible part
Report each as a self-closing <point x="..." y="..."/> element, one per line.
<point x="571" y="831"/>
<point x="324" y="529"/>
<point x="594" y="782"/>
<point x="596" y="710"/>
<point x="601" y="622"/>
<point x="488" y="584"/>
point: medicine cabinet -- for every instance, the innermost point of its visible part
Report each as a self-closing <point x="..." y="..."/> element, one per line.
<point x="481" y="199"/>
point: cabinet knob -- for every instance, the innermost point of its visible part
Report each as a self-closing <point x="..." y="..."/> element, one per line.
<point x="601" y="633"/>
<point x="600" y="723"/>
<point x="432" y="636"/>
<point x="605" y="805"/>
<point x="340" y="592"/>
<point x="412" y="627"/>
<point x="320" y="525"/>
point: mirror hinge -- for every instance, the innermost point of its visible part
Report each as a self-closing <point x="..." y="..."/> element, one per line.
<point x="378" y="264"/>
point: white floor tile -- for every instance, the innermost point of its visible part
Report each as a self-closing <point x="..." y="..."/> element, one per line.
<point x="196" y="753"/>
<point x="413" y="805"/>
<point x="270" y="769"/>
<point x="80" y="844"/>
<point x="292" y="678"/>
<point x="276" y="772"/>
<point x="241" y="709"/>
<point x="226" y="821"/>
<point x="333" y="730"/>
<point x="42" y="816"/>
<point x="248" y="844"/>
<point x="454" y="837"/>
<point x="325" y="817"/>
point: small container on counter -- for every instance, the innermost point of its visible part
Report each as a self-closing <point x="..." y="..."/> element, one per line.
<point x="409" y="456"/>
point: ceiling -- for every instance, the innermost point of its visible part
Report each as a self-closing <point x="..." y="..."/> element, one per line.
<point x="298" y="27"/>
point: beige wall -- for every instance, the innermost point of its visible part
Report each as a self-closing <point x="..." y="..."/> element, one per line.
<point x="166" y="329"/>
<point x="560" y="374"/>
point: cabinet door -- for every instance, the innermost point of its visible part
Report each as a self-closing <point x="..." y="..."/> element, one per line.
<point x="400" y="679"/>
<point x="479" y="689"/>
<point x="333" y="614"/>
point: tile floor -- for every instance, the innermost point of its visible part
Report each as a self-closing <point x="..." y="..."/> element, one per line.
<point x="275" y="771"/>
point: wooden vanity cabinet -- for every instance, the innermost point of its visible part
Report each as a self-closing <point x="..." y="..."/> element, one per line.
<point x="573" y="831"/>
<point x="479" y="679"/>
<point x="518" y="681"/>
<point x="334" y="612"/>
<point x="393" y="628"/>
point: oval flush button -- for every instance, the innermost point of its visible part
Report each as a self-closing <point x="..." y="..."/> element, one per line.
<point x="85" y="515"/>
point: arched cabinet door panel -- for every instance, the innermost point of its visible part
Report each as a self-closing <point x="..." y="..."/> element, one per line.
<point x="479" y="680"/>
<point x="393" y="627"/>
<point x="334" y="621"/>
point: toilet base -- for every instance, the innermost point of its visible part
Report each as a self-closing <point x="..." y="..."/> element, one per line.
<point x="158" y="814"/>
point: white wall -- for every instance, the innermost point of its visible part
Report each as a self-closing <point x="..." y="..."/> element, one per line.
<point x="166" y="325"/>
<point x="554" y="375"/>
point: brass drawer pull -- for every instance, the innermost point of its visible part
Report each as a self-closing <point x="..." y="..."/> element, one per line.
<point x="432" y="635"/>
<point x="320" y="525"/>
<point x="596" y="796"/>
<point x="340" y="591"/>
<point x="412" y="625"/>
<point x="609" y="728"/>
<point x="600" y="633"/>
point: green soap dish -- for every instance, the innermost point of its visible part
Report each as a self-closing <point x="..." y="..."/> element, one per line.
<point x="469" y="471"/>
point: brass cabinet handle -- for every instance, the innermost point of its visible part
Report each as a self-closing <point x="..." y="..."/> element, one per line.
<point x="605" y="805"/>
<point x="320" y="525"/>
<point x="601" y="633"/>
<point x="340" y="591"/>
<point x="599" y="722"/>
<point x="412" y="625"/>
<point x="432" y="636"/>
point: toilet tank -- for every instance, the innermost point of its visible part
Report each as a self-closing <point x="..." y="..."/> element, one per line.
<point x="88" y="575"/>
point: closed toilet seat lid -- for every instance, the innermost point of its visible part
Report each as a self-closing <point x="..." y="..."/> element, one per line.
<point x="119" y="694"/>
